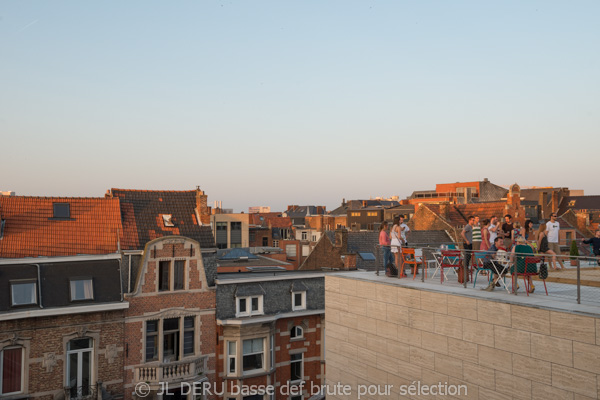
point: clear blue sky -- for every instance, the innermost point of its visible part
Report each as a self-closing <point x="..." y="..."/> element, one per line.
<point x="306" y="102"/>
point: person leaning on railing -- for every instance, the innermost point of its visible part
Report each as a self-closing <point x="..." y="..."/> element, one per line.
<point x="384" y="242"/>
<point x="595" y="242"/>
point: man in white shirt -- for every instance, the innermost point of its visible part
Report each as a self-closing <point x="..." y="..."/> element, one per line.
<point x="493" y="229"/>
<point x="553" y="234"/>
<point x="404" y="229"/>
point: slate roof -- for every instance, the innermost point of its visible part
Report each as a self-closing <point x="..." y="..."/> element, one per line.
<point x="579" y="203"/>
<point x="31" y="231"/>
<point x="141" y="212"/>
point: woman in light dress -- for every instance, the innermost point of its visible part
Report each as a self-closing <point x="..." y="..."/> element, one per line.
<point x="396" y="245"/>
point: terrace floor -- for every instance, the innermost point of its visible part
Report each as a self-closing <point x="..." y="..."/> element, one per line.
<point x="562" y="294"/>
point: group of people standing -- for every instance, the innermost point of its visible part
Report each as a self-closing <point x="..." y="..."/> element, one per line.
<point x="545" y="240"/>
<point x="392" y="243"/>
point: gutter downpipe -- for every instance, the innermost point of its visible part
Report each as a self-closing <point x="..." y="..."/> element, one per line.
<point x="39" y="284"/>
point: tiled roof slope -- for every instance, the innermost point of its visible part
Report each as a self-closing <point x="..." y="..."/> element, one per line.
<point x="275" y="220"/>
<point x="579" y="203"/>
<point x="458" y="214"/>
<point x="141" y="212"/>
<point x="31" y="231"/>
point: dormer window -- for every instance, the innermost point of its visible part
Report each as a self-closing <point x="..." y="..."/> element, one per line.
<point x="23" y="293"/>
<point x="82" y="289"/>
<point x="167" y="220"/>
<point x="62" y="210"/>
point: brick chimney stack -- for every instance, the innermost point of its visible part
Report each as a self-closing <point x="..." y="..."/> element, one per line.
<point x="554" y="201"/>
<point x="341" y="239"/>
<point x="202" y="207"/>
<point x="543" y="206"/>
<point x="444" y="210"/>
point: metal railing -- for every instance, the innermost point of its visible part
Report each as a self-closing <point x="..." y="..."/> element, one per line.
<point x="87" y="392"/>
<point x="578" y="281"/>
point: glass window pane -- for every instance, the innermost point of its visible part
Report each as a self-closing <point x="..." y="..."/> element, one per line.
<point x="255" y="304"/>
<point x="297" y="299"/>
<point x="242" y="305"/>
<point x="11" y="370"/>
<point x="171" y="324"/>
<point x="188" y="342"/>
<point x="151" y="347"/>
<point x="179" y="274"/>
<point x="151" y="326"/>
<point x="23" y="293"/>
<point x="188" y="323"/>
<point x="231" y="348"/>
<point x="82" y="289"/>
<point x="80" y="344"/>
<point x="163" y="275"/>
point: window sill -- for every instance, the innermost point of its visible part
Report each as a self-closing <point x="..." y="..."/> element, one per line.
<point x="297" y="339"/>
<point x="15" y="396"/>
<point x="296" y="383"/>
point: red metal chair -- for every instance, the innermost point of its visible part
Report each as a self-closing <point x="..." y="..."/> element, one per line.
<point x="413" y="257"/>
<point x="525" y="274"/>
<point x="450" y="259"/>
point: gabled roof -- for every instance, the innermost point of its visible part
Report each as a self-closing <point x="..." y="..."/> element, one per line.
<point x="458" y="213"/>
<point x="142" y="213"/>
<point x="579" y="203"/>
<point x="30" y="229"/>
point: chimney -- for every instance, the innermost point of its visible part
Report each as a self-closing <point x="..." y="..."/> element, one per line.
<point x="349" y="261"/>
<point x="554" y="201"/>
<point x="543" y="206"/>
<point x="341" y="239"/>
<point x="444" y="210"/>
<point x="202" y="207"/>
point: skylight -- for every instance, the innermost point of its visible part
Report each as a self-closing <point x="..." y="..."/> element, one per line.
<point x="62" y="210"/>
<point x="167" y="220"/>
<point x="367" y="256"/>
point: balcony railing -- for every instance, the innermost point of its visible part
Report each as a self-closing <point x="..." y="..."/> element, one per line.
<point x="87" y="392"/>
<point x="170" y="372"/>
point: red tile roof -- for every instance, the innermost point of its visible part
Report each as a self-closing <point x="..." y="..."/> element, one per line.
<point x="275" y="220"/>
<point x="142" y="212"/>
<point x="31" y="231"/>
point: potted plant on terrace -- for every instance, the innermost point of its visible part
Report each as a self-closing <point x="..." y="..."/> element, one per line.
<point x="574" y="253"/>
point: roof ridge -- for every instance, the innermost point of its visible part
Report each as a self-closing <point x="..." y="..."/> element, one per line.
<point x="150" y="190"/>
<point x="57" y="197"/>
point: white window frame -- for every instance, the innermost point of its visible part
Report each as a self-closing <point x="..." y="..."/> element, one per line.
<point x="71" y="281"/>
<point x="298" y="332"/>
<point x="79" y="353"/>
<point x="248" y="312"/>
<point x="304" y="235"/>
<point x="231" y="356"/>
<point x="272" y="352"/>
<point x="12" y="298"/>
<point x="22" y="369"/>
<point x="302" y="306"/>
<point x="301" y="361"/>
<point x="253" y="371"/>
<point x="275" y="243"/>
<point x="288" y="251"/>
<point x="305" y="250"/>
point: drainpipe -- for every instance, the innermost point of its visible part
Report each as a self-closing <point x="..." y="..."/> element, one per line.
<point x="39" y="284"/>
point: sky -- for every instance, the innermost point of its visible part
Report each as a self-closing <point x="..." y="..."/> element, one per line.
<point x="270" y="103"/>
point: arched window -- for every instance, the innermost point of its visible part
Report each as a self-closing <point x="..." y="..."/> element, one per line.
<point x="79" y="368"/>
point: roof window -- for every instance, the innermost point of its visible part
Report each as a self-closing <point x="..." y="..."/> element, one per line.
<point x="62" y="210"/>
<point x="167" y="220"/>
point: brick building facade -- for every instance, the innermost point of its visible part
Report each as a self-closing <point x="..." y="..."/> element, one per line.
<point x="170" y="325"/>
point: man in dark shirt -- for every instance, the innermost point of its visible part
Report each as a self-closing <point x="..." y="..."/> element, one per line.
<point x="507" y="228"/>
<point x="595" y="242"/>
